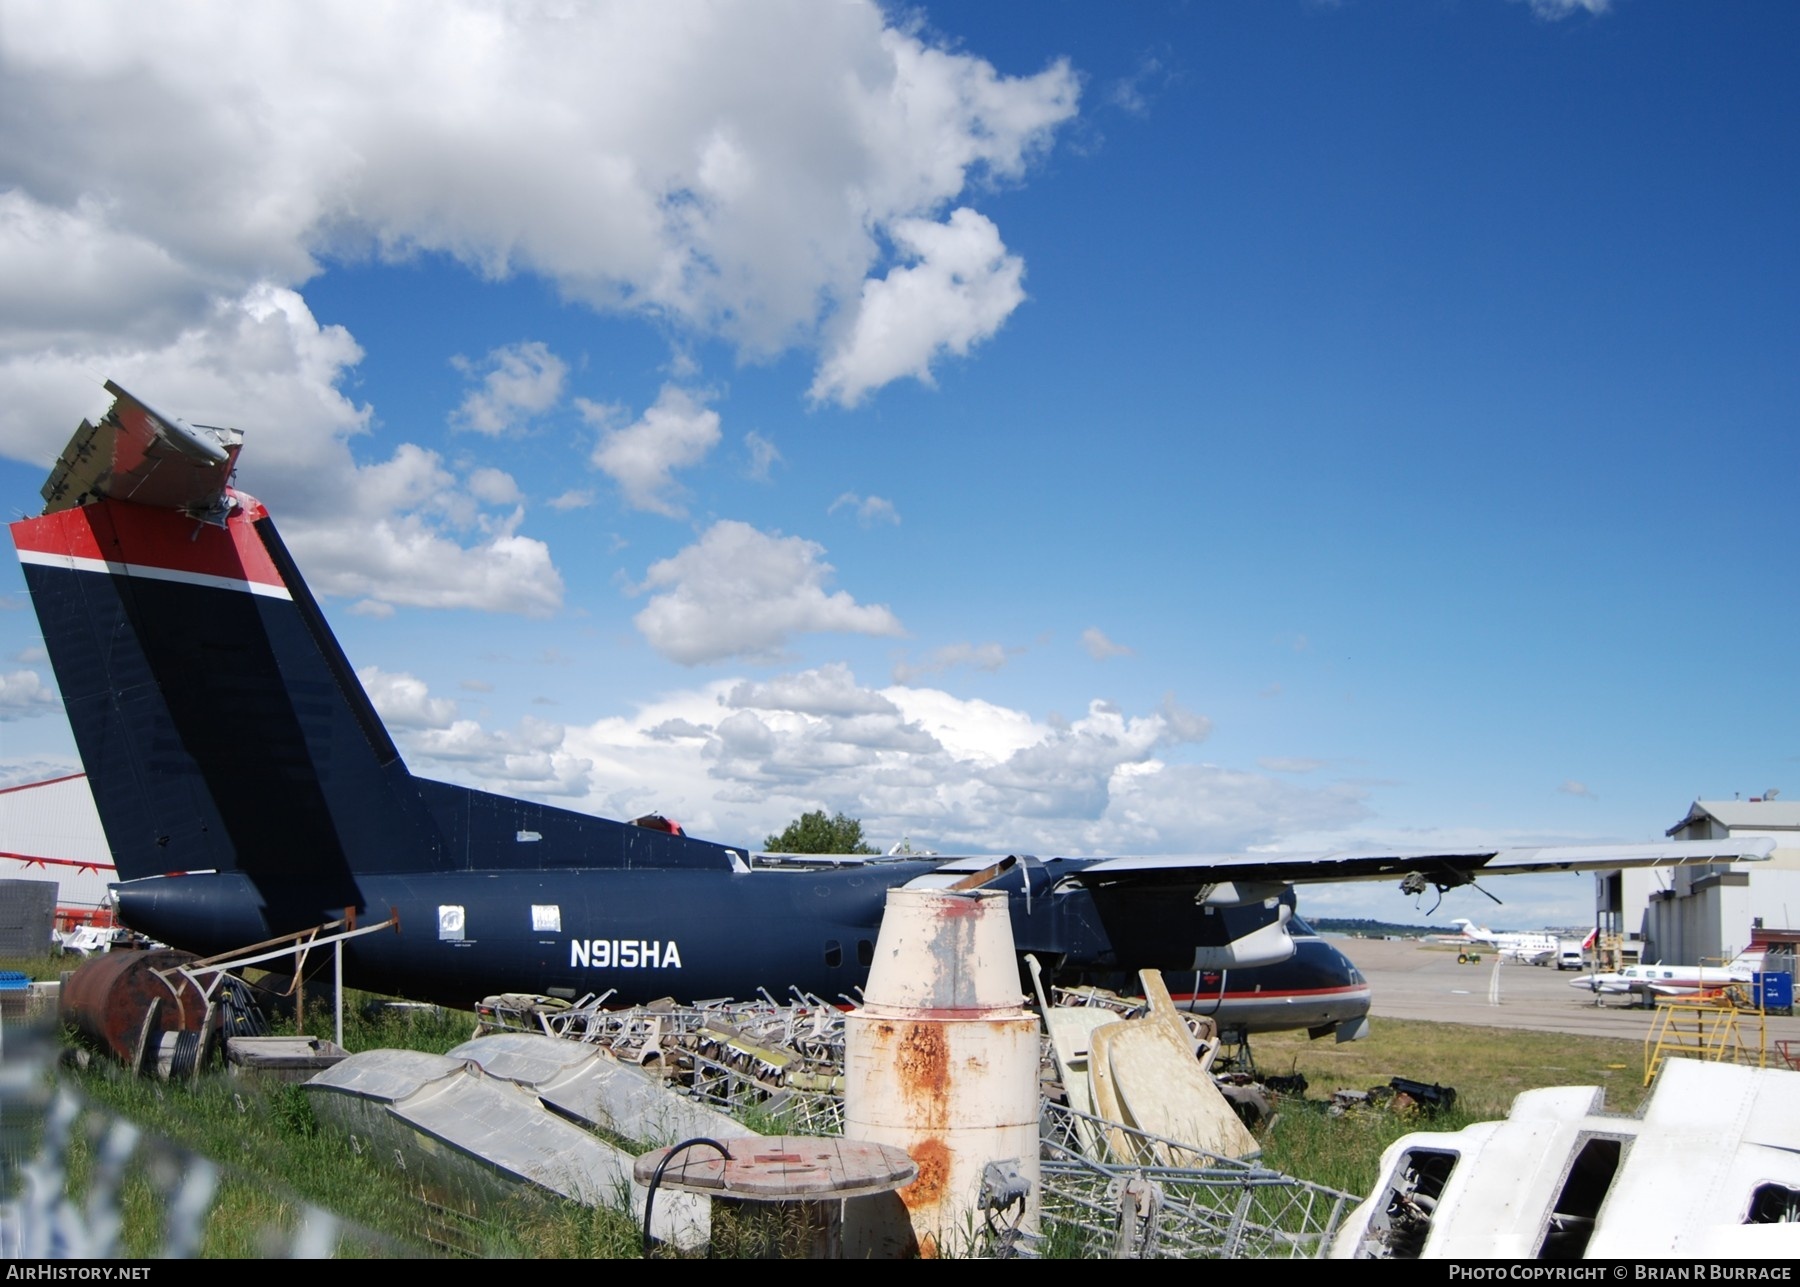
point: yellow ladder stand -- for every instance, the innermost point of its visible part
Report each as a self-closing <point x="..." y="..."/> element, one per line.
<point x="1707" y="1027"/>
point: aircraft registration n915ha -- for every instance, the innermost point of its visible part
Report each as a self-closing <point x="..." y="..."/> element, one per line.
<point x="248" y="789"/>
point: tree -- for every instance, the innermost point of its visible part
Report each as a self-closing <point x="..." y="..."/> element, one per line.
<point x="814" y="833"/>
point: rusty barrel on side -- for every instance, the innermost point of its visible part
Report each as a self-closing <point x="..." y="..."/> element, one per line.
<point x="942" y="1061"/>
<point x="119" y="1003"/>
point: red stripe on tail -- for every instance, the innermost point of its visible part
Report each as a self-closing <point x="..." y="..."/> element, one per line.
<point x="128" y="537"/>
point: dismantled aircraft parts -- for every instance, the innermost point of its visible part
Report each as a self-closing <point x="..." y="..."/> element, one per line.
<point x="593" y="1090"/>
<point x="1216" y="1206"/>
<point x="166" y="1013"/>
<point x="405" y="1106"/>
<point x="1428" y="1096"/>
<point x="1401" y="1096"/>
<point x="290" y="1059"/>
<point x="1107" y="1204"/>
<point x="1152" y="1073"/>
<point x="738" y="1055"/>
<point x="789" y="1059"/>
<point x="1706" y="1170"/>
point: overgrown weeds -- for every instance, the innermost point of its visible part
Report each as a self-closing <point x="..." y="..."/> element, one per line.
<point x="40" y="969"/>
<point x="271" y="1156"/>
<point x="275" y="1159"/>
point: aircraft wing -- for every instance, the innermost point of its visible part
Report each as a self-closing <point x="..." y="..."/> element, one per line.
<point x="1238" y="878"/>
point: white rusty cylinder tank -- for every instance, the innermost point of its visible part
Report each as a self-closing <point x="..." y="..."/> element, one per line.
<point x="941" y="1060"/>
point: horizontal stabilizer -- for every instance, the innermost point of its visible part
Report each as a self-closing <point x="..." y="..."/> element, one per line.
<point x="139" y="455"/>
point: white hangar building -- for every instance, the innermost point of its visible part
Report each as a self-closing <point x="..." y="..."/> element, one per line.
<point x="1693" y="915"/>
<point x="50" y="831"/>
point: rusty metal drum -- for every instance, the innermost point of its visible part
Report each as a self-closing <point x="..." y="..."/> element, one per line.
<point x="124" y="1002"/>
<point x="942" y="1060"/>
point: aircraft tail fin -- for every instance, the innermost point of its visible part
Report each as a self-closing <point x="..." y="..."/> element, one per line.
<point x="220" y="723"/>
<point x="1751" y="958"/>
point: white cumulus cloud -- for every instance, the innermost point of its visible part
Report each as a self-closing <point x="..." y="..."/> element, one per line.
<point x="642" y="457"/>
<point x="387" y="530"/>
<point x="529" y="760"/>
<point x="517" y="382"/>
<point x="494" y="487"/>
<point x="404" y="561"/>
<point x="737" y="759"/>
<point x="732" y="170"/>
<point x="740" y="592"/>
<point x="725" y="171"/>
<point x="23" y="693"/>
<point x="959" y="286"/>
<point x="574" y="498"/>
<point x="828" y="690"/>
<point x="403" y="701"/>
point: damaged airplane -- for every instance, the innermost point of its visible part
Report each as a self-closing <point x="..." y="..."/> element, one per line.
<point x="248" y="789"/>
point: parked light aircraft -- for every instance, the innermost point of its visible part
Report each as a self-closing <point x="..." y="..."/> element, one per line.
<point x="1672" y="980"/>
<point x="248" y="790"/>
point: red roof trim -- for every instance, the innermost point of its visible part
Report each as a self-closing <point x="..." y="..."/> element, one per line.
<point x="27" y="786"/>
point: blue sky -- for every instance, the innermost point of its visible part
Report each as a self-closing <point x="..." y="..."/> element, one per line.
<point x="1187" y="427"/>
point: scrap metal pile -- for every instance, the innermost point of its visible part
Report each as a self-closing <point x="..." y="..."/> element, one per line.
<point x="758" y="1058"/>
<point x="1110" y="1188"/>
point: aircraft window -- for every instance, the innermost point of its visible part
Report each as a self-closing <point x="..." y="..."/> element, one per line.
<point x="450" y="922"/>
<point x="834" y="953"/>
<point x="1399" y="1228"/>
<point x="546" y="918"/>
<point x="1773" y="1204"/>
<point x="1572" y="1218"/>
<point x="865" y="952"/>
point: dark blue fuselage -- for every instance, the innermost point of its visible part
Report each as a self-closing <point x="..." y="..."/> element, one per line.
<point x="248" y="789"/>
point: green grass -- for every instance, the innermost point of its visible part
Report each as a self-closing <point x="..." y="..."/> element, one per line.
<point x="427" y="1028"/>
<point x="1341" y="1152"/>
<point x="40" y="969"/>
<point x="275" y="1158"/>
<point x="1487" y="1067"/>
<point x="269" y="1150"/>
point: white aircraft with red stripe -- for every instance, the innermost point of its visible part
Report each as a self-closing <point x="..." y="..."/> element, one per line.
<point x="1660" y="980"/>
